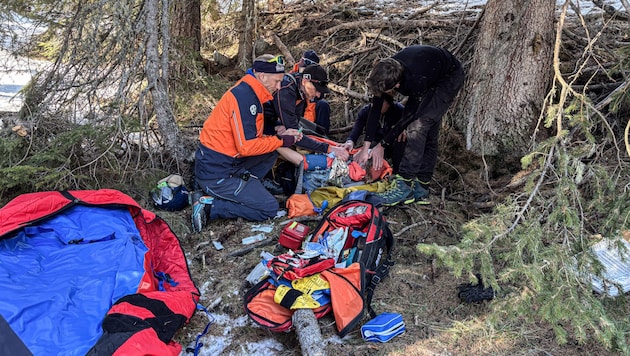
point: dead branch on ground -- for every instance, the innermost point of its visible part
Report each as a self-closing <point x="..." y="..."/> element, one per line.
<point x="348" y="92"/>
<point x="423" y="10"/>
<point x="283" y="49"/>
<point x="308" y="332"/>
<point x="392" y="24"/>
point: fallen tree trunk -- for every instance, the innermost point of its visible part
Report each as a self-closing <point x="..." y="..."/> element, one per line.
<point x="308" y="333"/>
<point x="283" y="49"/>
<point x="345" y="91"/>
<point x="393" y="24"/>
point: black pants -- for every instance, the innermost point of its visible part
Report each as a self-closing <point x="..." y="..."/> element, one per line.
<point x="420" y="153"/>
<point x="396" y="152"/>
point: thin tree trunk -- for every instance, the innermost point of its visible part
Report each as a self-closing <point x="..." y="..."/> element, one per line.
<point x="157" y="73"/>
<point x="246" y="39"/>
<point x="185" y="31"/>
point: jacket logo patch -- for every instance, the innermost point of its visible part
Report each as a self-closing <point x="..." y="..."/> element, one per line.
<point x="253" y="110"/>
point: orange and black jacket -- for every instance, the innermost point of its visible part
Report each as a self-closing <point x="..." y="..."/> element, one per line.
<point x="234" y="130"/>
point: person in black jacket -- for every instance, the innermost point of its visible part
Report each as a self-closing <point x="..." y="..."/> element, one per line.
<point x="430" y="77"/>
<point x="390" y="115"/>
<point x="289" y="104"/>
<point x="317" y="110"/>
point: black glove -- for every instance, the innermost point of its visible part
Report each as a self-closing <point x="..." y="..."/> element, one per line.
<point x="470" y="293"/>
<point x="287" y="140"/>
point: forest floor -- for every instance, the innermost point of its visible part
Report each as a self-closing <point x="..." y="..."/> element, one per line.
<point x="425" y="293"/>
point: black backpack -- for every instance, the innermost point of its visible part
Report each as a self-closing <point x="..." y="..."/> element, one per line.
<point x="368" y="240"/>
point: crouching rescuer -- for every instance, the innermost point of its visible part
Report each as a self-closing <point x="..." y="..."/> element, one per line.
<point x="430" y="77"/>
<point x="234" y="153"/>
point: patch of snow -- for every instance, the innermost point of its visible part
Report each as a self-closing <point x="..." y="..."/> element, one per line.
<point x="216" y="345"/>
<point x="15" y="71"/>
<point x="204" y="289"/>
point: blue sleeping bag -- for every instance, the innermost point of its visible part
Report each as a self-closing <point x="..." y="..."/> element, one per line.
<point x="60" y="277"/>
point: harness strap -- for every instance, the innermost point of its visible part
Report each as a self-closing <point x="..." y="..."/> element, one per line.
<point x="379" y="274"/>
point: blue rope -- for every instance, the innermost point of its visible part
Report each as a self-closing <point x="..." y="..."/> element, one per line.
<point x="199" y="344"/>
<point x="164" y="277"/>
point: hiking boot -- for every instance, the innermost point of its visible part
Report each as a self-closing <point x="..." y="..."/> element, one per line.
<point x="400" y="191"/>
<point x="421" y="192"/>
<point x="199" y="204"/>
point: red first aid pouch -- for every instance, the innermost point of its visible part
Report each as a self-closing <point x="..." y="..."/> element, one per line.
<point x="263" y="310"/>
<point x="290" y="266"/>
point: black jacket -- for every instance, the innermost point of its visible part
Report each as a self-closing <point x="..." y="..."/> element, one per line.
<point x="286" y="109"/>
<point x="424" y="67"/>
<point x="386" y="122"/>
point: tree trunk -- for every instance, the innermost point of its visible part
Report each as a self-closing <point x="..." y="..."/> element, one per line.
<point x="157" y="77"/>
<point x="186" y="38"/>
<point x="508" y="78"/>
<point x="308" y="333"/>
<point x="246" y="38"/>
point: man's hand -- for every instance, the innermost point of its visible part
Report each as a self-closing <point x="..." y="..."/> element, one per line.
<point x="348" y="145"/>
<point x="362" y="156"/>
<point x="378" y="154"/>
<point x="290" y="137"/>
<point x="280" y="129"/>
<point x="402" y="137"/>
<point x="295" y="133"/>
<point x="339" y="152"/>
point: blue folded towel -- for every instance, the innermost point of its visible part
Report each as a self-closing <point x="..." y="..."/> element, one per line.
<point x="383" y="327"/>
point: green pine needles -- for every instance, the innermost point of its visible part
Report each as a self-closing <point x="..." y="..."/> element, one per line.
<point x="534" y="248"/>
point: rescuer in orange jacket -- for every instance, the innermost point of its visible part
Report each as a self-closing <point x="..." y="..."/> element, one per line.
<point x="234" y="153"/>
<point x="316" y="110"/>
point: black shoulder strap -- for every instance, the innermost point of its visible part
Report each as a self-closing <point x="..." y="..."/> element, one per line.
<point x="311" y="128"/>
<point x="292" y="77"/>
<point x="10" y="342"/>
<point x="383" y="270"/>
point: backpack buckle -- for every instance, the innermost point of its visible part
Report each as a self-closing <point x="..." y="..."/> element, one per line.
<point x="376" y="279"/>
